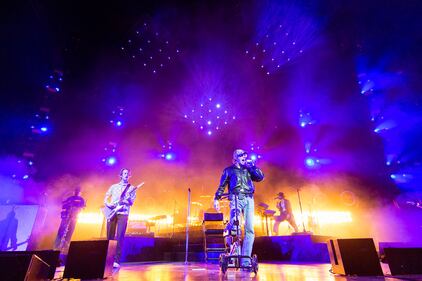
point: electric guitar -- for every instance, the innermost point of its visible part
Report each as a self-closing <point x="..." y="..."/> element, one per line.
<point x="109" y="212"/>
<point x="13" y="248"/>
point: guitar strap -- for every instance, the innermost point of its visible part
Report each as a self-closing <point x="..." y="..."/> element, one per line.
<point x="124" y="192"/>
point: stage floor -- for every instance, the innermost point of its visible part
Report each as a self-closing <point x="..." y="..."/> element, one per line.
<point x="167" y="271"/>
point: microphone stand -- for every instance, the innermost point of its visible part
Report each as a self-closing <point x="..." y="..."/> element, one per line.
<point x="187" y="228"/>
<point x="174" y="218"/>
<point x="301" y="211"/>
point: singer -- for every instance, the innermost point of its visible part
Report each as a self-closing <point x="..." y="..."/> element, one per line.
<point x="239" y="177"/>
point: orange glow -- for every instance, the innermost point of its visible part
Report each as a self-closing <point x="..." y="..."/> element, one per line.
<point x="320" y="217"/>
<point x="324" y="217"/>
<point x="90" y="218"/>
<point x="97" y="218"/>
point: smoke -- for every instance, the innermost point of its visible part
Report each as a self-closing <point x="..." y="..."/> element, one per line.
<point x="213" y="63"/>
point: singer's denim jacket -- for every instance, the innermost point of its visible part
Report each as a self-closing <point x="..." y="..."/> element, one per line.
<point x="240" y="180"/>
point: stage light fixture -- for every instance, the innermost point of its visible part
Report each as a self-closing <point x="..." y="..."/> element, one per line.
<point x="310" y="162"/>
<point x="305" y="119"/>
<point x="255" y="151"/>
<point x="54" y="83"/>
<point x="209" y="114"/>
<point x="169" y="156"/>
<point x="117" y="117"/>
<point x="111" y="161"/>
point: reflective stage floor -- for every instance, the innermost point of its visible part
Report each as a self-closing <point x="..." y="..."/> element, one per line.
<point x="167" y="271"/>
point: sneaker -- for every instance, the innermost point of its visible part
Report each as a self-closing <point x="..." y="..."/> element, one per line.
<point x="116" y="265"/>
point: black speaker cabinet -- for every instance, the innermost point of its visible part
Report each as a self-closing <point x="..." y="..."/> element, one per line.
<point x="404" y="261"/>
<point x="22" y="267"/>
<point x="50" y="257"/>
<point x="90" y="259"/>
<point x="354" y="257"/>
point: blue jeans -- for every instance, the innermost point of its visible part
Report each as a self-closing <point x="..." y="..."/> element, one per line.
<point x="245" y="206"/>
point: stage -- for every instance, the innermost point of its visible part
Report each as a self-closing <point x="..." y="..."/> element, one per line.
<point x="290" y="248"/>
<point x="206" y="272"/>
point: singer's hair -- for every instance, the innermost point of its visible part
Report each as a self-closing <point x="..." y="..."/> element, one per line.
<point x="123" y="169"/>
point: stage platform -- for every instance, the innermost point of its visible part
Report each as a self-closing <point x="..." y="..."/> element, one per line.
<point x="169" y="271"/>
<point x="293" y="248"/>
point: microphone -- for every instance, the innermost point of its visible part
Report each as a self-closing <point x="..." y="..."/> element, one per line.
<point x="250" y="163"/>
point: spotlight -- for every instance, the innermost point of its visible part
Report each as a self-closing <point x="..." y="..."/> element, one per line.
<point x="110" y="161"/>
<point x="308" y="147"/>
<point x="256" y="154"/>
<point x="167" y="152"/>
<point x="385" y="126"/>
<point x="53" y="84"/>
<point x="402" y="178"/>
<point x="305" y="119"/>
<point x="169" y="156"/>
<point x="310" y="162"/>
<point x="117" y="116"/>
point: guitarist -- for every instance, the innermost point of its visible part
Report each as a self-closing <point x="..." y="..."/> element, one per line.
<point x="119" y="198"/>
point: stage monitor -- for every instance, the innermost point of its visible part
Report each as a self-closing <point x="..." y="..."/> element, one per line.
<point x="356" y="256"/>
<point x="404" y="261"/>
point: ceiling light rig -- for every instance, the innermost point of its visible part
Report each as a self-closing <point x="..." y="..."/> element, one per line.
<point x="209" y="116"/>
<point x="149" y="49"/>
<point x="117" y="117"/>
<point x="275" y="49"/>
<point x="40" y="126"/>
<point x="283" y="33"/>
<point x="54" y="82"/>
<point x="110" y="154"/>
<point x="167" y="152"/>
<point x="255" y="151"/>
